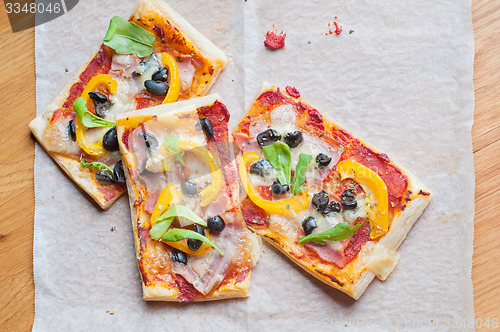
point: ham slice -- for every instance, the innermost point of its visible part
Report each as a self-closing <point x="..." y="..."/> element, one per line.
<point x="206" y="272"/>
<point x="331" y="254"/>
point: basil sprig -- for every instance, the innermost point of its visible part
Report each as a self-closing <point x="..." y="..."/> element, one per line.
<point x="172" y="144"/>
<point x="88" y="119"/>
<point x="298" y="177"/>
<point x="126" y="37"/>
<point x="182" y="211"/>
<point x="97" y="165"/>
<point x="280" y="158"/>
<point x="338" y="232"/>
<point x="163" y="223"/>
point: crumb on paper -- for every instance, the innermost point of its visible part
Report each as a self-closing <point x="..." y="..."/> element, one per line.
<point x="66" y="69"/>
<point x="275" y="40"/>
<point x="113" y="228"/>
<point x="351" y="31"/>
<point x="110" y="312"/>
<point x="337" y="31"/>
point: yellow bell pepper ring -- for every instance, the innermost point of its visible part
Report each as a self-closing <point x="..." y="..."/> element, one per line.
<point x="93" y="148"/>
<point x="376" y="194"/>
<point x="210" y="192"/>
<point x="175" y="80"/>
<point x="168" y="197"/>
<point x="296" y="204"/>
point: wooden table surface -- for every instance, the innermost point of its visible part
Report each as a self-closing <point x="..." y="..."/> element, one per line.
<point x="17" y="107"/>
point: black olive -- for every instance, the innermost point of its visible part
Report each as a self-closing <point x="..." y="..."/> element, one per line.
<point x="320" y="200"/>
<point x="179" y="256"/>
<point x="194" y="244"/>
<point x="160" y="75"/>
<point x="332" y="207"/>
<point x="149" y="139"/>
<point x="110" y="140"/>
<point x="261" y="167"/>
<point x="104" y="176"/>
<point x="119" y="173"/>
<point x="216" y="224"/>
<point x="308" y="225"/>
<point x="323" y="160"/>
<point x="268" y="137"/>
<point x="156" y="88"/>
<point x="101" y="103"/>
<point x="294" y="139"/>
<point x="278" y="189"/>
<point x="71" y="129"/>
<point x="189" y="188"/>
<point x="206" y="126"/>
<point x="348" y="199"/>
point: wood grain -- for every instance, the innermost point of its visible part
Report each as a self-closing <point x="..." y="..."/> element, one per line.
<point x="486" y="143"/>
<point x="17" y="106"/>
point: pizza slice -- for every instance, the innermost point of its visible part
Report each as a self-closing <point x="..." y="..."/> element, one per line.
<point x="190" y="235"/>
<point x="155" y="57"/>
<point x="331" y="203"/>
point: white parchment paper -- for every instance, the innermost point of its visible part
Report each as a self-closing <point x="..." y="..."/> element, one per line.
<point x="401" y="80"/>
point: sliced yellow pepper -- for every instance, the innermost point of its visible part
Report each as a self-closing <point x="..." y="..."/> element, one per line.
<point x="168" y="197"/>
<point x="376" y="194"/>
<point x="211" y="192"/>
<point x="182" y="246"/>
<point x="296" y="204"/>
<point x="175" y="80"/>
<point x="93" y="148"/>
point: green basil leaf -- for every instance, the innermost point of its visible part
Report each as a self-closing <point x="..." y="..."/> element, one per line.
<point x="298" y="177"/>
<point x="178" y="234"/>
<point x="182" y="211"/>
<point x="338" y="232"/>
<point x="97" y="165"/>
<point x="160" y="228"/>
<point x="172" y="143"/>
<point x="126" y="37"/>
<point x="88" y="119"/>
<point x="280" y="158"/>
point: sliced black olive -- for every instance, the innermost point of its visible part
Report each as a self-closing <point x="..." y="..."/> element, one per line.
<point x="189" y="188"/>
<point x="119" y="173"/>
<point x="110" y="140"/>
<point x="294" y="139"/>
<point x="278" y="189"/>
<point x="149" y="139"/>
<point x="194" y="244"/>
<point x="216" y="224"/>
<point x="156" y="88"/>
<point x="348" y="199"/>
<point x="261" y="167"/>
<point x="332" y="207"/>
<point x="320" y="200"/>
<point x="71" y="129"/>
<point x="308" y="225"/>
<point x="104" y="176"/>
<point x="323" y="160"/>
<point x="206" y="126"/>
<point x="179" y="256"/>
<point x="160" y="75"/>
<point x="268" y="137"/>
<point x="101" y="103"/>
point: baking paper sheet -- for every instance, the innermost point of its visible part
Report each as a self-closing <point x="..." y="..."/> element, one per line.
<point x="402" y="80"/>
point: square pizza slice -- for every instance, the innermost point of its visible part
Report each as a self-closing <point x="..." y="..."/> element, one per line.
<point x="155" y="57"/>
<point x="334" y="205"/>
<point x="191" y="240"/>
